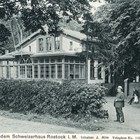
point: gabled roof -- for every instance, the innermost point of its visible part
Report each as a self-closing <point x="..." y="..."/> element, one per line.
<point x="75" y="34"/>
<point x="28" y="38"/>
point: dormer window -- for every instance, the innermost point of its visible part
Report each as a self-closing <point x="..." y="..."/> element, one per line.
<point x="30" y="49"/>
<point x="41" y="48"/>
<point x="57" y="43"/>
<point x="48" y="44"/>
<point x="71" y="45"/>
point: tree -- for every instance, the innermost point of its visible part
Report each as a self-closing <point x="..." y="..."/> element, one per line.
<point x="37" y="13"/>
<point x="4" y="35"/>
<point x="121" y="19"/>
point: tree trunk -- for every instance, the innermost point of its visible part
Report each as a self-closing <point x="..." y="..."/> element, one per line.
<point x="12" y="34"/>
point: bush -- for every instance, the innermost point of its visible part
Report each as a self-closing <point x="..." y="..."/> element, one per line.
<point x="71" y="99"/>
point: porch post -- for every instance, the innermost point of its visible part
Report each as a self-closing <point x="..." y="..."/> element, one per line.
<point x="88" y="71"/>
<point x="63" y="68"/>
<point x="96" y="69"/>
<point x="137" y="78"/>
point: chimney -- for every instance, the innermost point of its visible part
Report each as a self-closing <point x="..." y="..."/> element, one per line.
<point x="6" y="51"/>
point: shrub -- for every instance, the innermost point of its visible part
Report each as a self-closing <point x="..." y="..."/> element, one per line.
<point x="71" y="99"/>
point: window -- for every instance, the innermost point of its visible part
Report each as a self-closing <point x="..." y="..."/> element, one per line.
<point x="57" y="43"/>
<point x="41" y="48"/>
<point x="99" y="72"/>
<point x="22" y="61"/>
<point x="71" y="45"/>
<point x="76" y="71"/>
<point x="29" y="71"/>
<point x="77" y="60"/>
<point x="59" y="71"/>
<point x="30" y="49"/>
<point x="41" y="71"/>
<point x="66" y="71"/>
<point x="41" y="60"/>
<point x="16" y="71"/>
<point x="36" y="71"/>
<point x="46" y="60"/>
<point x="28" y="60"/>
<point x="47" y="71"/>
<point x="92" y="76"/>
<point x="72" y="71"/>
<point x="53" y="71"/>
<point x="106" y="76"/>
<point x="22" y="71"/>
<point x="71" y="60"/>
<point x="35" y="60"/>
<point x="66" y="59"/>
<point x="59" y="59"/>
<point x="7" y="72"/>
<point x="82" y="72"/>
<point x="52" y="60"/>
<point x="48" y="44"/>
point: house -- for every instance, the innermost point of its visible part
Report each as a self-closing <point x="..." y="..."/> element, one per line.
<point x="53" y="58"/>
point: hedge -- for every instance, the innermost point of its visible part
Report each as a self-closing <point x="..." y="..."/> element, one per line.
<point x="71" y="99"/>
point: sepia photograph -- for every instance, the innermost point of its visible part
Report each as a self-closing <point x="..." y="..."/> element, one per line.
<point x="69" y="67"/>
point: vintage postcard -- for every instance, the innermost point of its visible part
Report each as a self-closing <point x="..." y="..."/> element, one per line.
<point x="69" y="69"/>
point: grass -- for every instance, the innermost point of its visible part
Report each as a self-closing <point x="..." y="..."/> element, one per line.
<point x="93" y="125"/>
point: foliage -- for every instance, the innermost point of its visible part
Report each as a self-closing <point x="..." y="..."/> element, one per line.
<point x="119" y="20"/>
<point x="4" y="36"/>
<point x="125" y="29"/>
<point x="36" y="13"/>
<point x="69" y="100"/>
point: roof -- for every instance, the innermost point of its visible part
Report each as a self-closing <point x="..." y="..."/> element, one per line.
<point x="74" y="34"/>
<point x="54" y="54"/>
<point x="6" y="56"/>
<point x="21" y="52"/>
<point x="13" y="54"/>
<point x="28" y="38"/>
<point x="16" y="53"/>
<point x="77" y="35"/>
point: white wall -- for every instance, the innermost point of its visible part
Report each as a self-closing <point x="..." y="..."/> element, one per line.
<point x="77" y="47"/>
<point x="65" y="45"/>
<point x="33" y="47"/>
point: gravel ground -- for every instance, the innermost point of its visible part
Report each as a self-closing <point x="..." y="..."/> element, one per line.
<point x="132" y="119"/>
<point x="131" y="125"/>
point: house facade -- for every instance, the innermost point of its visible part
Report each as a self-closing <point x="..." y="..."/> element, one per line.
<point x="51" y="58"/>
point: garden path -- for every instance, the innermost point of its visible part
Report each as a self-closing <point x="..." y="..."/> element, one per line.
<point x="132" y="119"/>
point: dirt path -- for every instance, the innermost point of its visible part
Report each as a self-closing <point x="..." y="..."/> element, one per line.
<point x="132" y="119"/>
<point x="21" y="126"/>
<point x="131" y="125"/>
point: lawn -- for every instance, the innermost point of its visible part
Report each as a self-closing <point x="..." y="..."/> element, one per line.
<point x="93" y="125"/>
